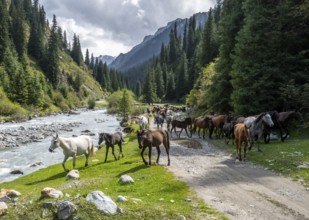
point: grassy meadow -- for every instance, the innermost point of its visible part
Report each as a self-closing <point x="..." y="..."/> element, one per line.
<point x="155" y="194"/>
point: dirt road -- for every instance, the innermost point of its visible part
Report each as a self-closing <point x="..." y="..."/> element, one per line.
<point x="239" y="190"/>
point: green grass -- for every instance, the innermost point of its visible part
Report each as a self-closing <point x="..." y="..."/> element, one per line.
<point x="161" y="195"/>
<point x="281" y="157"/>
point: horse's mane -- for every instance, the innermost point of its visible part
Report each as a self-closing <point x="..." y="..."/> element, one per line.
<point x="259" y="117"/>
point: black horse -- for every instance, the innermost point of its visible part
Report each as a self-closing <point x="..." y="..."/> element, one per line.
<point x="110" y="141"/>
<point x="281" y="121"/>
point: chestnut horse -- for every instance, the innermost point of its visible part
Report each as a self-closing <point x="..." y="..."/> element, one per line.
<point x="241" y="136"/>
<point x="153" y="138"/>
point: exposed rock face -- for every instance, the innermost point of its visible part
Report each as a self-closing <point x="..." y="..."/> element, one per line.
<point x="51" y="193"/>
<point x="102" y="202"/>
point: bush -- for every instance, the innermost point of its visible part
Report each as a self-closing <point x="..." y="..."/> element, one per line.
<point x="8" y="108"/>
<point x="91" y="103"/>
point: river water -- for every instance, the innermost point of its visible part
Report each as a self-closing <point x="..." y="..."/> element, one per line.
<point x="22" y="157"/>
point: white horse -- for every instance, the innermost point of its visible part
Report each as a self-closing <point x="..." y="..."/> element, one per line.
<point x="73" y="147"/>
<point x="142" y="122"/>
<point x="255" y="127"/>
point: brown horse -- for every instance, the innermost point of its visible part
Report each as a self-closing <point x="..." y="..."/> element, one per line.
<point x="153" y="138"/>
<point x="281" y="121"/>
<point x="241" y="136"/>
<point x="217" y="125"/>
<point x="201" y="123"/>
<point x="183" y="125"/>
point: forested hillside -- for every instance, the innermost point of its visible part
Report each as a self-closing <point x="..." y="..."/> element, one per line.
<point x="250" y="56"/>
<point x="40" y="69"/>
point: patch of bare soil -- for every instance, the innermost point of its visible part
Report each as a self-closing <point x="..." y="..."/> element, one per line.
<point x="240" y="190"/>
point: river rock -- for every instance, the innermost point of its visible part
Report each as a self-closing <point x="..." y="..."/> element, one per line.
<point x="73" y="174"/>
<point x="51" y="193"/>
<point x="16" y="172"/>
<point x="126" y="179"/>
<point x="121" y="199"/>
<point x="11" y="193"/>
<point x="3" y="208"/>
<point x="66" y="209"/>
<point x="103" y="203"/>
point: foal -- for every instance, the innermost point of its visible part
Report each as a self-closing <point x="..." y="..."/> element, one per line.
<point x="110" y="141"/>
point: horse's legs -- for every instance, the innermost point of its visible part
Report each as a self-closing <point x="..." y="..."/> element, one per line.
<point x="142" y="154"/>
<point x="120" y="150"/>
<point x="187" y="132"/>
<point x="63" y="163"/>
<point x="74" y="159"/>
<point x="159" y="152"/>
<point x="149" y="155"/>
<point x="87" y="156"/>
<point x="107" y="147"/>
<point x="113" y="151"/>
<point x="179" y="132"/>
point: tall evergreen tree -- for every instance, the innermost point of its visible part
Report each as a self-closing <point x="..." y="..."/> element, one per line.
<point x="230" y="24"/>
<point x="149" y="88"/>
<point x="4" y="29"/>
<point x="208" y="48"/>
<point x="256" y="64"/>
<point x="87" y="60"/>
<point x="53" y="70"/>
<point x="159" y="82"/>
<point x="18" y="32"/>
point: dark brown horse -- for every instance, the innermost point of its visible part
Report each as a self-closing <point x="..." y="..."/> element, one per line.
<point x="110" y="141"/>
<point x="153" y="138"/>
<point x="183" y="125"/>
<point x="217" y="125"/>
<point x="201" y="123"/>
<point x="281" y="121"/>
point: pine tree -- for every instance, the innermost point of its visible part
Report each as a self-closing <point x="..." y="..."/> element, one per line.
<point x="149" y="88"/>
<point x="138" y="89"/>
<point x="170" y="87"/>
<point x="53" y="70"/>
<point x="183" y="78"/>
<point x="257" y="61"/>
<point x="230" y="24"/>
<point x="87" y="60"/>
<point x="4" y="29"/>
<point x="159" y="82"/>
<point x="208" y="48"/>
<point x="18" y="28"/>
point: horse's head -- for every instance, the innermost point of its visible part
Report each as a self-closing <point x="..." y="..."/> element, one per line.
<point x="298" y="116"/>
<point x="55" y="142"/>
<point x="267" y="120"/>
<point x="101" y="139"/>
<point x="141" y="136"/>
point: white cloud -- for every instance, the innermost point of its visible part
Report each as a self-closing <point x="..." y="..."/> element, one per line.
<point x="113" y="27"/>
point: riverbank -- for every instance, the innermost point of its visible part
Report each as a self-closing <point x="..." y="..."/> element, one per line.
<point x="25" y="144"/>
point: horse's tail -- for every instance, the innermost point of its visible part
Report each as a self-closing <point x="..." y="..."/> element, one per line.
<point x="167" y="139"/>
<point x="92" y="150"/>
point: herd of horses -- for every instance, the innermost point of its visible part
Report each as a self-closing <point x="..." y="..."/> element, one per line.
<point x="244" y="131"/>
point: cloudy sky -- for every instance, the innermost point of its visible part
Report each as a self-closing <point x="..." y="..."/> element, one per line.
<point x="110" y="27"/>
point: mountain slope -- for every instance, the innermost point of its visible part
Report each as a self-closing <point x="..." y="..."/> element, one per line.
<point x="151" y="44"/>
